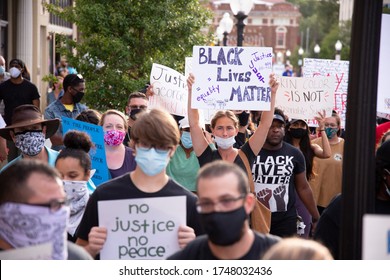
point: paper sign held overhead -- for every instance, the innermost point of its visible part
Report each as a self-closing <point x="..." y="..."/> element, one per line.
<point x="170" y="90"/>
<point x="231" y="78"/>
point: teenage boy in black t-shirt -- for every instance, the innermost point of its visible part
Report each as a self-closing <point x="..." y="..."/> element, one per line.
<point x="156" y="136"/>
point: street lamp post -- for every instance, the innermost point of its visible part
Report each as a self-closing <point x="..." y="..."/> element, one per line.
<point x="288" y="54"/>
<point x="338" y="46"/>
<point x="317" y="50"/>
<point x="300" y="61"/>
<point x="240" y="9"/>
<point x="219" y="33"/>
<point x="226" y="25"/>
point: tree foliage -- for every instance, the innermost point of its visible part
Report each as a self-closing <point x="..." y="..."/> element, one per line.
<point x="321" y="17"/>
<point x="121" y="39"/>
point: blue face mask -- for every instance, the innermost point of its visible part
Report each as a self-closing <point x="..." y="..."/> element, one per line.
<point x="2" y="70"/>
<point x="151" y="161"/>
<point x="186" y="139"/>
<point x="330" y="132"/>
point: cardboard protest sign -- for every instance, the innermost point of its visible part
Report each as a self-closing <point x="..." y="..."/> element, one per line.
<point x="303" y="98"/>
<point x="383" y="99"/>
<point x="98" y="155"/>
<point x="336" y="68"/>
<point x="144" y="228"/>
<point x="231" y="78"/>
<point x="170" y="90"/>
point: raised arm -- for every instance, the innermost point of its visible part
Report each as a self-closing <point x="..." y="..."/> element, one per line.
<point x="325" y="151"/>
<point x="257" y="140"/>
<point x="199" y="141"/>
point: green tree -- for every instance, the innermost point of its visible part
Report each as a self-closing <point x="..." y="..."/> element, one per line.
<point x="121" y="39"/>
<point x="322" y="19"/>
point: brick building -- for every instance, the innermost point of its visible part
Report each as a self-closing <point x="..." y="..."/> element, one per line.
<point x="272" y="23"/>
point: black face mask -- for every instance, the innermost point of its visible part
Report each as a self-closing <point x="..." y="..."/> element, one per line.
<point x="224" y="228"/>
<point x="298" y="132"/>
<point x="134" y="112"/>
<point x="77" y="97"/>
<point x="243" y="118"/>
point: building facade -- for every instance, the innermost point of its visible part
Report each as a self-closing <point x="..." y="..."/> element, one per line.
<point x="28" y="32"/>
<point x="269" y="24"/>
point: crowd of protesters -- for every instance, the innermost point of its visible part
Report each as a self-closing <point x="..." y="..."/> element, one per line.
<point x="152" y="154"/>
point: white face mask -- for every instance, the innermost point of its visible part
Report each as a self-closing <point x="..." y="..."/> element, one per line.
<point x="23" y="225"/>
<point x="224" y="143"/>
<point x="77" y="195"/>
<point x="15" y="72"/>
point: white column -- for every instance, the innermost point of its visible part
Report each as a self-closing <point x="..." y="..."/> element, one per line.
<point x="24" y="32"/>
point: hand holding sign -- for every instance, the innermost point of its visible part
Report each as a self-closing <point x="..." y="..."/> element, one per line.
<point x="186" y="235"/>
<point x="96" y="239"/>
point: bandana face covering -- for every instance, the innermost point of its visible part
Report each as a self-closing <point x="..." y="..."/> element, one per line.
<point x="23" y="225"/>
<point x="77" y="194"/>
<point x="30" y="142"/>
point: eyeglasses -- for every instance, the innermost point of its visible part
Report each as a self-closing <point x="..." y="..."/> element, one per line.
<point x="225" y="204"/>
<point x="331" y="125"/>
<point x="158" y="149"/>
<point x="135" y="107"/>
<point x="54" y="205"/>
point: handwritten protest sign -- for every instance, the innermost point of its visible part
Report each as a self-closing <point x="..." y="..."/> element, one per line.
<point x="144" y="228"/>
<point x="170" y="90"/>
<point x="302" y="98"/>
<point x="204" y="115"/>
<point x="383" y="100"/>
<point x="231" y="78"/>
<point x="336" y="68"/>
<point x="98" y="155"/>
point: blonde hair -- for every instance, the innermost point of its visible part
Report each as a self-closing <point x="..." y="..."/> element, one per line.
<point x="295" y="248"/>
<point x="114" y="112"/>
<point x="224" y="113"/>
<point x="156" y="128"/>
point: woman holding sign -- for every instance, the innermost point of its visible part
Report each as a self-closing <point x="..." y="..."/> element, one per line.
<point x="225" y="127"/>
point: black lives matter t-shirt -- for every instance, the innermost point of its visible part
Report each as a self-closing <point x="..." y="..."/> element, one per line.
<point x="274" y="177"/>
